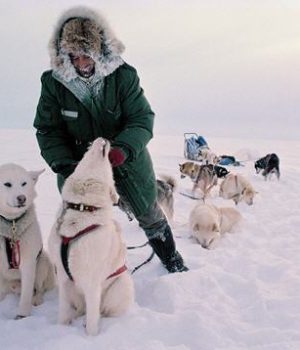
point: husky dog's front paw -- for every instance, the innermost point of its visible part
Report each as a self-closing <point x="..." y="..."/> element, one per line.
<point x="37" y="299"/>
<point x="65" y="319"/>
<point x="19" y="317"/>
<point x="24" y="311"/>
<point x="92" y="330"/>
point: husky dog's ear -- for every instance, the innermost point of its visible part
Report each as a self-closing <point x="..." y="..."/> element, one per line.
<point x="215" y="228"/>
<point x="196" y="227"/>
<point x="35" y="174"/>
<point x="113" y="195"/>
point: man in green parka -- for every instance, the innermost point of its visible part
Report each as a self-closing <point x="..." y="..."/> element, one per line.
<point x="91" y="92"/>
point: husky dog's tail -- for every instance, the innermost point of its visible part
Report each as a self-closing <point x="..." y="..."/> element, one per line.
<point x="170" y="180"/>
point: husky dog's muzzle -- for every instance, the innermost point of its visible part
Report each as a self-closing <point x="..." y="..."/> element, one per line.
<point x="103" y="146"/>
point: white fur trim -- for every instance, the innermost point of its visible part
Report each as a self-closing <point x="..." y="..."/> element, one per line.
<point x="107" y="61"/>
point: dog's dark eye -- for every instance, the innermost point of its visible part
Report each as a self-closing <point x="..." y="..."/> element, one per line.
<point x="7" y="184"/>
<point x="24" y="184"/>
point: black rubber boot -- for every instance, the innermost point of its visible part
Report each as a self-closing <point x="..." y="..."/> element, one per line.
<point x="164" y="247"/>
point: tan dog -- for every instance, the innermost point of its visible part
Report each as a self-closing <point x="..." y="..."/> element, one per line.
<point x="208" y="223"/>
<point x="203" y="176"/>
<point x="238" y="188"/>
<point x="87" y="246"/>
<point x="209" y="157"/>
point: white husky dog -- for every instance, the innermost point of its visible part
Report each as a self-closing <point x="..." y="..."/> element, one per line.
<point x="238" y="188"/>
<point x="208" y="222"/>
<point x="24" y="266"/>
<point x="86" y="244"/>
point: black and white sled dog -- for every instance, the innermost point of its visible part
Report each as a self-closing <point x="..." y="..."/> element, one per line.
<point x="86" y="244"/>
<point x="268" y="164"/>
<point x="25" y="268"/>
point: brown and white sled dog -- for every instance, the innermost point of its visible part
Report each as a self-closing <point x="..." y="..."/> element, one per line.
<point x="208" y="222"/>
<point x="86" y="246"/>
<point x="25" y="268"/>
<point x="238" y="188"/>
<point x="203" y="176"/>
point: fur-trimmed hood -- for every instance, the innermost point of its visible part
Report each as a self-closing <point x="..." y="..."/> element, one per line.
<point x="93" y="37"/>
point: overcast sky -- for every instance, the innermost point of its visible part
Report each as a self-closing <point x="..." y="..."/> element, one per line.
<point x="217" y="68"/>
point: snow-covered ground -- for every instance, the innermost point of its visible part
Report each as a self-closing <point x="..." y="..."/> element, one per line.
<point x="244" y="294"/>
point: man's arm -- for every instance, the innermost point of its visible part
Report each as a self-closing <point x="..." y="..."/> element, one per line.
<point x="51" y="134"/>
<point x="137" y="113"/>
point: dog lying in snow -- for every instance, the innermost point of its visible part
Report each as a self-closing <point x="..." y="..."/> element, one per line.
<point x="86" y="244"/>
<point x="208" y="223"/>
<point x="269" y="164"/>
<point x="238" y="188"/>
<point x="25" y="268"/>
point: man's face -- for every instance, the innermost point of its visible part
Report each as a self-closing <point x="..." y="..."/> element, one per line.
<point x="83" y="64"/>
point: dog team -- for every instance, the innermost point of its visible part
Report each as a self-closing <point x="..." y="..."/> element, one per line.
<point x="208" y="222"/>
<point x="87" y="252"/>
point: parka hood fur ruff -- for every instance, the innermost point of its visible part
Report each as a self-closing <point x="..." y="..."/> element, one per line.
<point x="106" y="61"/>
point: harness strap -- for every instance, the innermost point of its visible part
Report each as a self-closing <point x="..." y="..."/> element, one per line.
<point x="13" y="253"/>
<point x="66" y="240"/>
<point x="118" y="271"/>
<point x="64" y="248"/>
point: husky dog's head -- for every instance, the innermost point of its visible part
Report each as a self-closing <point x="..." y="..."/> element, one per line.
<point x="92" y="181"/>
<point x="208" y="236"/>
<point x="205" y="225"/>
<point x="189" y="169"/>
<point x="17" y="190"/>
<point x="220" y="171"/>
<point x="260" y="164"/>
<point x="248" y="195"/>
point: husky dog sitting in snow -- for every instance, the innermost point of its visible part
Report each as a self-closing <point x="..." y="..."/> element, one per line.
<point x="25" y="268"/>
<point x="238" y="188"/>
<point x="86" y="244"/>
<point x="208" y="223"/>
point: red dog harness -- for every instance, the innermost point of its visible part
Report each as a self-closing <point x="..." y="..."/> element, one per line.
<point x="64" y="250"/>
<point x="13" y="253"/>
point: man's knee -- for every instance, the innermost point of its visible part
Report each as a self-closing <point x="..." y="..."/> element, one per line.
<point x="153" y="222"/>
